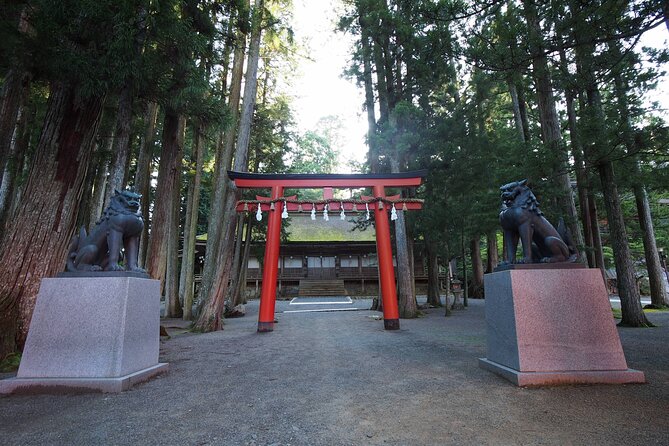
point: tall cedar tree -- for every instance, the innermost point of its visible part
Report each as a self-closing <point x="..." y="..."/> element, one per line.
<point x="79" y="50"/>
<point x="36" y="240"/>
<point x="211" y="316"/>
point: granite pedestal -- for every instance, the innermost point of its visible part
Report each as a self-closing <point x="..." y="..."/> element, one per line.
<point x="553" y="326"/>
<point x="91" y="334"/>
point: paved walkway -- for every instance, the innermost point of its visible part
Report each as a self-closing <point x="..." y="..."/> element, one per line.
<point x="337" y="378"/>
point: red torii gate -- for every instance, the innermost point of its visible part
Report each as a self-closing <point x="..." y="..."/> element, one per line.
<point x="274" y="205"/>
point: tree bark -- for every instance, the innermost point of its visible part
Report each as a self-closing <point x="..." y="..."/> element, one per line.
<point x="381" y="88"/>
<point x="630" y="300"/>
<point x="36" y="240"/>
<point x="658" y="294"/>
<point x="372" y="143"/>
<point x="100" y="185"/>
<point x="596" y="233"/>
<point x="373" y="154"/>
<point x="14" y="166"/>
<point x="14" y="88"/>
<point x="143" y="174"/>
<point x="121" y="143"/>
<point x="250" y="89"/>
<point x="236" y="261"/>
<point x="211" y="317"/>
<point x="492" y="250"/>
<point x="186" y="239"/>
<point x="549" y="120"/>
<point x="433" y="291"/>
<point x="168" y="176"/>
<point x="173" y="308"/>
<point x="465" y="281"/>
<point x="239" y="293"/>
<point x="477" y="269"/>
<point x="513" y="92"/>
<point x="632" y="313"/>
<point x="223" y="162"/>
<point x="582" y="180"/>
<point x="407" y="300"/>
<point x="23" y="161"/>
<point x="188" y="256"/>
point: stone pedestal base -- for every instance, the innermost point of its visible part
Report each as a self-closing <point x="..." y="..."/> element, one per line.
<point x="551" y="327"/>
<point x="530" y="379"/>
<point x="31" y="386"/>
<point x="91" y="334"/>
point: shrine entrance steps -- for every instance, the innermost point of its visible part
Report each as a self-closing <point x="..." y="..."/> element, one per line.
<point x="322" y="288"/>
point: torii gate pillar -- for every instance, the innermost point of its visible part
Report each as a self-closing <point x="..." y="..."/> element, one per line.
<point x="270" y="265"/>
<point x="391" y="316"/>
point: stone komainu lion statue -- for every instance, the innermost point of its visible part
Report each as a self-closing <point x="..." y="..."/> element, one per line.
<point x="119" y="227"/>
<point x="521" y="219"/>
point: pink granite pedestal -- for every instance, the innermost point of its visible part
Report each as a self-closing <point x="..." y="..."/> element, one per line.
<point x="91" y="335"/>
<point x="553" y="326"/>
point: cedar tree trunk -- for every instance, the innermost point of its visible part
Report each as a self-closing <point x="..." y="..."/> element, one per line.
<point x="211" y="317"/>
<point x="143" y="174"/>
<point x="169" y="167"/>
<point x="477" y="269"/>
<point x="188" y="256"/>
<point x="492" y="250"/>
<point x="121" y="143"/>
<point x="433" y="292"/>
<point x="549" y="120"/>
<point x="36" y="241"/>
<point x="223" y="162"/>
<point x="630" y="301"/>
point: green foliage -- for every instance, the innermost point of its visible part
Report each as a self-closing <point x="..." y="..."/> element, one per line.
<point x="10" y="363"/>
<point x="452" y="110"/>
<point x="87" y="43"/>
<point x="313" y="154"/>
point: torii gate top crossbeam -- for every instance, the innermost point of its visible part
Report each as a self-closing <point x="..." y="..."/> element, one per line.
<point x="308" y="180"/>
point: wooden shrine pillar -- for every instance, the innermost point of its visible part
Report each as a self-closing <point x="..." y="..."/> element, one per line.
<point x="391" y="317"/>
<point x="270" y="266"/>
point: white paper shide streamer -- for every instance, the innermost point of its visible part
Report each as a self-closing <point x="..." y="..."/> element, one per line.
<point x="284" y="213"/>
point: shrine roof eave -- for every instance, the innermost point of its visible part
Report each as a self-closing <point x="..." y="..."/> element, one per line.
<point x="316" y="180"/>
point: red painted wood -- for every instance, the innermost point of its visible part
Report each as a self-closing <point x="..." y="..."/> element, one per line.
<point x="306" y="207"/>
<point x="270" y="267"/>
<point x="383" y="246"/>
<point x="321" y="183"/>
<point x="385" y="256"/>
<point x="345" y="181"/>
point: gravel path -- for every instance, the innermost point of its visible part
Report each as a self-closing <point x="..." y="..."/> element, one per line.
<point x="337" y="378"/>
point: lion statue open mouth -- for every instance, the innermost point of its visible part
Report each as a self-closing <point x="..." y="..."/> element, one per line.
<point x="120" y="227"/>
<point x="521" y="219"/>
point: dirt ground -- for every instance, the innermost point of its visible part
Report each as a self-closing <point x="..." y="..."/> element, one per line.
<point x="337" y="378"/>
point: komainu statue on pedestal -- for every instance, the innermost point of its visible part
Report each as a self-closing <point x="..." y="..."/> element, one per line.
<point x="521" y="219"/>
<point x="119" y="227"/>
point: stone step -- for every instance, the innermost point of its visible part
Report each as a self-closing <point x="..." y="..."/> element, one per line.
<point x="322" y="288"/>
